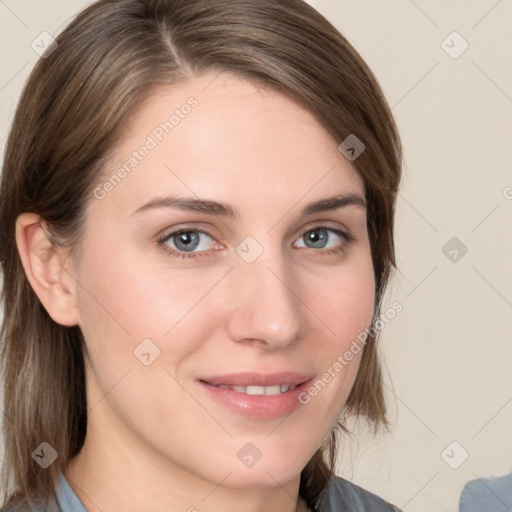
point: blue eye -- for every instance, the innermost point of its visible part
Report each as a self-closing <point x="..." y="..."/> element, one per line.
<point x="186" y="241"/>
<point x="193" y="243"/>
<point x="319" y="238"/>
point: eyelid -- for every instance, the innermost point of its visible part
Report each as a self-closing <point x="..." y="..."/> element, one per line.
<point x="167" y="234"/>
<point x="328" y="224"/>
<point x="318" y="224"/>
<point x="340" y="231"/>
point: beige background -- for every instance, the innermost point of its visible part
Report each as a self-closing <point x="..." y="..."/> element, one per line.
<point x="449" y="351"/>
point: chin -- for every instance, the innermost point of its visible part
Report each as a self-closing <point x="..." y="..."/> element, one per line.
<point x="266" y="471"/>
<point x="265" y="476"/>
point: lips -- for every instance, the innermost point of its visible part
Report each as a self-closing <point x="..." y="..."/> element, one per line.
<point x="258" y="379"/>
<point x="257" y="395"/>
<point x="259" y="390"/>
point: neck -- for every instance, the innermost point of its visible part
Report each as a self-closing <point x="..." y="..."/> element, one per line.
<point x="107" y="476"/>
<point x="118" y="470"/>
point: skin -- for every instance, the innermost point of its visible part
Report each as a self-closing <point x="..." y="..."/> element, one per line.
<point x="155" y="441"/>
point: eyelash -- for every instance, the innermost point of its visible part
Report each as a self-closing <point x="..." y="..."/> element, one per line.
<point x="348" y="238"/>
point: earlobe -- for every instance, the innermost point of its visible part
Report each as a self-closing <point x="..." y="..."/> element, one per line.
<point x="43" y="263"/>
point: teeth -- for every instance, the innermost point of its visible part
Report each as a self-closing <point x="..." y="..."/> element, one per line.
<point x="255" y="390"/>
<point x="260" y="390"/>
<point x="272" y="390"/>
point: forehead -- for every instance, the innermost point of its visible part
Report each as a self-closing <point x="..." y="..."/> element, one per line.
<point x="225" y="138"/>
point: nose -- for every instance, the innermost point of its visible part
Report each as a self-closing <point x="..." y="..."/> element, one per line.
<point x="265" y="308"/>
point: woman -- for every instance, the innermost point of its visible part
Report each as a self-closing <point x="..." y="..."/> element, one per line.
<point x="197" y="208"/>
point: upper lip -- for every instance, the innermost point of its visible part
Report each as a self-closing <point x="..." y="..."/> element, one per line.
<point x="258" y="379"/>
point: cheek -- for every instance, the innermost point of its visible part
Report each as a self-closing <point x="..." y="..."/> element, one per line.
<point x="346" y="306"/>
<point x="128" y="322"/>
<point x="182" y="313"/>
<point x="125" y="302"/>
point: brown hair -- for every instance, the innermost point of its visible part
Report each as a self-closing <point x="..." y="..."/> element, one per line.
<point x="70" y="115"/>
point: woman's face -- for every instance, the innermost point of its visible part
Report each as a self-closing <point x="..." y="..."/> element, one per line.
<point x="260" y="285"/>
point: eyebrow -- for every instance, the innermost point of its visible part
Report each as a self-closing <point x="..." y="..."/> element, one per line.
<point x="225" y="210"/>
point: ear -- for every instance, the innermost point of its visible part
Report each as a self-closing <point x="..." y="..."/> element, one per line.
<point x="44" y="265"/>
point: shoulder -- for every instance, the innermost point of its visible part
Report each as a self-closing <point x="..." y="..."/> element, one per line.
<point x="340" y="494"/>
<point x="494" y="493"/>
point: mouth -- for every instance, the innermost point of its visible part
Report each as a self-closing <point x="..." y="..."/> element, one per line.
<point x="257" y="395"/>
<point x="257" y="390"/>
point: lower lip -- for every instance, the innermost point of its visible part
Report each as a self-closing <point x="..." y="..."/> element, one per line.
<point x="257" y="406"/>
